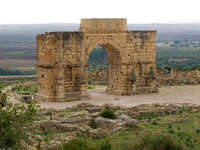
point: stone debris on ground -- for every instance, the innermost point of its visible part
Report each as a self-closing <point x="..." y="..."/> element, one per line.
<point x="72" y="122"/>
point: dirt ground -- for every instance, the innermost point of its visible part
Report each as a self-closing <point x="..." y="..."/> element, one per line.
<point x="171" y="94"/>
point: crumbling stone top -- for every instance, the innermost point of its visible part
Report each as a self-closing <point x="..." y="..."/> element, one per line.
<point x="104" y="25"/>
<point x="95" y="25"/>
<point x="66" y="35"/>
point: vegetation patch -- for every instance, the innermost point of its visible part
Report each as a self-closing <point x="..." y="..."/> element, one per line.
<point x="25" y="90"/>
<point x="90" y="87"/>
<point x="178" y="58"/>
<point x="14" y="120"/>
<point x="86" y="144"/>
<point x="3" y="85"/>
<point x="10" y="72"/>
<point x="154" y="142"/>
<point x="21" y="52"/>
<point x="108" y="113"/>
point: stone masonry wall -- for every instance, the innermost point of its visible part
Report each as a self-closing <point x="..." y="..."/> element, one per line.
<point x="164" y="77"/>
<point x="62" y="60"/>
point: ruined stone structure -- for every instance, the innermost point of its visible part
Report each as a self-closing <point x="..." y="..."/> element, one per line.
<point x="175" y="77"/>
<point x="164" y="77"/>
<point x="62" y="60"/>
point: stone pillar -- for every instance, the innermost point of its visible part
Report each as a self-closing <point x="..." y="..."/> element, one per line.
<point x="83" y="73"/>
<point x="198" y="75"/>
<point x="60" y="90"/>
<point x="172" y="73"/>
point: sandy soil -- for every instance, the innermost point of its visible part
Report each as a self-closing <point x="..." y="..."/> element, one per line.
<point x="173" y="94"/>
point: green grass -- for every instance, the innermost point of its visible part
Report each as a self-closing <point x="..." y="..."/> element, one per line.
<point x="178" y="131"/>
<point x="69" y="100"/>
<point x="90" y="87"/>
<point x="108" y="113"/>
<point x="179" y="58"/>
<point x="154" y="142"/>
<point x="147" y="142"/>
<point x="183" y="128"/>
<point x="21" y="52"/>
<point x="86" y="144"/>
<point x="3" y="85"/>
<point x="25" y="90"/>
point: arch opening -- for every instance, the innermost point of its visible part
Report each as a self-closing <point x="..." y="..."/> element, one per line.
<point x="104" y="65"/>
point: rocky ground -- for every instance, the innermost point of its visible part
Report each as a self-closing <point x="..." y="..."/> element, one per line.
<point x="54" y="127"/>
<point x="137" y="115"/>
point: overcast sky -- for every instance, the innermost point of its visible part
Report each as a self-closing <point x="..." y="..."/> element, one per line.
<point x="71" y="11"/>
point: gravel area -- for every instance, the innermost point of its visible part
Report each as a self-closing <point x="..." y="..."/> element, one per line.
<point x="171" y="94"/>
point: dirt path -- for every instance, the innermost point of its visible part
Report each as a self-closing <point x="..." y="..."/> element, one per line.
<point x="6" y="89"/>
<point x="12" y="97"/>
<point x="173" y="94"/>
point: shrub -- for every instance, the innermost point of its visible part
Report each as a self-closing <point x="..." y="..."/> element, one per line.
<point x="171" y="131"/>
<point x="108" y="113"/>
<point x="14" y="119"/>
<point x="25" y="90"/>
<point x="85" y="144"/>
<point x="170" y="126"/>
<point x="92" y="124"/>
<point x="155" y="122"/>
<point x="90" y="87"/>
<point x="198" y="131"/>
<point x="155" y="142"/>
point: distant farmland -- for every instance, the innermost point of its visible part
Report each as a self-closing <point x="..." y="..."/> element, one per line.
<point x="21" y="52"/>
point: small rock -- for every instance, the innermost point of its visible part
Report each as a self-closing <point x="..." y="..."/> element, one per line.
<point x="39" y="137"/>
<point x="123" y="117"/>
<point x="131" y="123"/>
<point x="68" y="127"/>
<point x="84" y="120"/>
<point x="93" y="109"/>
<point x="105" y="123"/>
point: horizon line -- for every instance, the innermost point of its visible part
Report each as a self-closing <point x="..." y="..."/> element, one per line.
<point x="79" y="23"/>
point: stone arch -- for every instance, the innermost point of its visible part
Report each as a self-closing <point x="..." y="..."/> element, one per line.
<point x="114" y="66"/>
<point x="62" y="57"/>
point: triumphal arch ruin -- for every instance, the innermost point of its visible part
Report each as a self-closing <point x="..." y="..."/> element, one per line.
<point x="62" y="60"/>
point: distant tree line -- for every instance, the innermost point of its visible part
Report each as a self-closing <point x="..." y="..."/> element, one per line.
<point x="97" y="59"/>
<point x="10" y="72"/>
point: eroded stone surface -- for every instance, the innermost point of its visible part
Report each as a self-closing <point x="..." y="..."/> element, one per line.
<point x="62" y="60"/>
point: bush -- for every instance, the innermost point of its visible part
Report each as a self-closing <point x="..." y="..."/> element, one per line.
<point x="155" y="142"/>
<point x="85" y="144"/>
<point x="170" y="126"/>
<point x="14" y="119"/>
<point x="171" y="131"/>
<point x="92" y="124"/>
<point x="25" y="90"/>
<point x="155" y="122"/>
<point x="108" y="113"/>
<point x="197" y="131"/>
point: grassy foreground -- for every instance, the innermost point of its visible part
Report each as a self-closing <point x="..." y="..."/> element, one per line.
<point x="170" y="132"/>
<point x="175" y="128"/>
